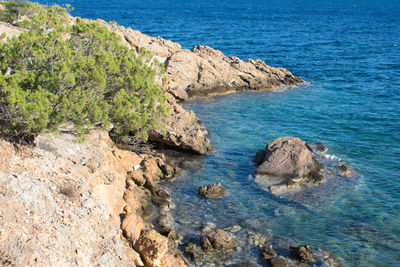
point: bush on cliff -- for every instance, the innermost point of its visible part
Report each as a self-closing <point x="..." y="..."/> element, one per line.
<point x="56" y="73"/>
<point x="13" y="11"/>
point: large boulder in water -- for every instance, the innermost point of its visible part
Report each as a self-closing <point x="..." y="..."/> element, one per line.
<point x="287" y="162"/>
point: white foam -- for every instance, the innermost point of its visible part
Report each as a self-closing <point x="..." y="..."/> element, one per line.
<point x="331" y="157"/>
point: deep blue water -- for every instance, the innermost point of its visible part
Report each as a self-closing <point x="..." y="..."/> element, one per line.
<point x="349" y="51"/>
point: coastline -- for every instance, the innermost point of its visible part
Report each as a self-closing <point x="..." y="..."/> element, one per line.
<point x="127" y="195"/>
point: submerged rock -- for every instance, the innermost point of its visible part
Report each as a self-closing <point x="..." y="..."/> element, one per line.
<point x="318" y="146"/>
<point x="287" y="162"/>
<point x="327" y="258"/>
<point x="278" y="261"/>
<point x="302" y="253"/>
<point x="208" y="227"/>
<point x="192" y="251"/>
<point x="267" y="252"/>
<point x="165" y="224"/>
<point x="213" y="191"/>
<point x="205" y="243"/>
<point x="221" y="239"/>
<point x="247" y="264"/>
<point x="345" y="171"/>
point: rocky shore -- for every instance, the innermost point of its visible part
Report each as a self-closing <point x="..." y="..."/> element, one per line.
<point x="94" y="203"/>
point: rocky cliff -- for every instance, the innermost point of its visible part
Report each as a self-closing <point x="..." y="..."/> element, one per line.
<point x="65" y="203"/>
<point x="204" y="71"/>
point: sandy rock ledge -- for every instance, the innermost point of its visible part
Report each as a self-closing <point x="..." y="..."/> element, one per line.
<point x="65" y="203"/>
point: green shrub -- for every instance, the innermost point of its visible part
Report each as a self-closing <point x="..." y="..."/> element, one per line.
<point x="13" y="11"/>
<point x="55" y="73"/>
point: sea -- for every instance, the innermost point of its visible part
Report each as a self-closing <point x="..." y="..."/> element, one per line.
<point x="348" y="51"/>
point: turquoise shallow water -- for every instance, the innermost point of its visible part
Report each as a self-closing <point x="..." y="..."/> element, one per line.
<point x="349" y="51"/>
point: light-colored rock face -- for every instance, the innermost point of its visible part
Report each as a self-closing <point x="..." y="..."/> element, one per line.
<point x="50" y="215"/>
<point x="160" y="47"/>
<point x="183" y="130"/>
<point x="287" y="163"/>
<point x="205" y="71"/>
<point x="155" y="250"/>
<point x="65" y="203"/>
<point x="9" y="30"/>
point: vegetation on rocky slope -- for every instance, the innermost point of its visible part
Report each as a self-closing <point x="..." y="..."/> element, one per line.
<point x="57" y="72"/>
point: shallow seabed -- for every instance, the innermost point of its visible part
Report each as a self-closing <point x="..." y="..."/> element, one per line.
<point x="357" y="219"/>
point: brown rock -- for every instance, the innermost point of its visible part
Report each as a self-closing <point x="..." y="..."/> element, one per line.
<point x="205" y="243"/>
<point x="345" y="171"/>
<point x="162" y="199"/>
<point x="132" y="225"/>
<point x="247" y="264"/>
<point x="136" y="258"/>
<point x="259" y="157"/>
<point x="152" y="247"/>
<point x="288" y="157"/>
<point x="206" y="71"/>
<point x="151" y="169"/>
<point x="192" y="251"/>
<point x="165" y="224"/>
<point x="154" y="250"/>
<point x="183" y="130"/>
<point x="221" y="239"/>
<point x="137" y="177"/>
<point x="136" y="199"/>
<point x="288" y="163"/>
<point x="160" y="47"/>
<point x="267" y="252"/>
<point x="278" y="261"/>
<point x="60" y="203"/>
<point x="167" y="170"/>
<point x="302" y="253"/>
<point x="213" y="191"/>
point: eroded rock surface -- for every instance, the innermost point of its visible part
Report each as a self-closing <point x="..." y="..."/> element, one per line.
<point x="183" y="130"/>
<point x="303" y="253"/>
<point x="221" y="239"/>
<point x="68" y="203"/>
<point x="285" y="163"/>
<point x="213" y="190"/>
<point x="205" y="71"/>
<point x="55" y="204"/>
<point x="154" y="249"/>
